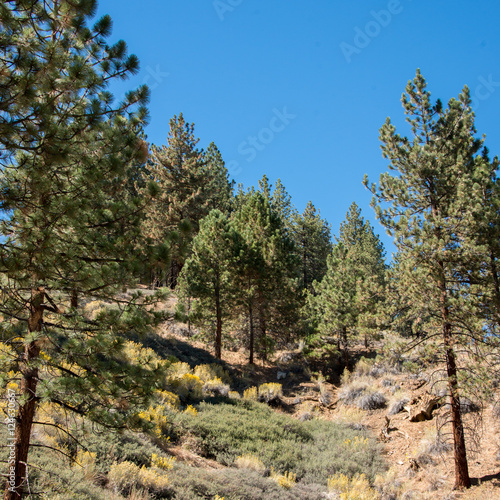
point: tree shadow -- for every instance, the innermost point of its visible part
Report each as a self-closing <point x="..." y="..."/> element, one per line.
<point x="494" y="478"/>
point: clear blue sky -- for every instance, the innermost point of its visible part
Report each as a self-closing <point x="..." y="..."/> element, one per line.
<point x="298" y="90"/>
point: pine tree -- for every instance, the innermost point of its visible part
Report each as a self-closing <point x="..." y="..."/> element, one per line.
<point x="209" y="273"/>
<point x="346" y="300"/>
<point x="218" y="189"/>
<point x="312" y="239"/>
<point x="65" y="150"/>
<point x="266" y="280"/>
<point x="433" y="199"/>
<point x="179" y="173"/>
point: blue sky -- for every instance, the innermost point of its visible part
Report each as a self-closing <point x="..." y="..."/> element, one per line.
<point x="298" y="90"/>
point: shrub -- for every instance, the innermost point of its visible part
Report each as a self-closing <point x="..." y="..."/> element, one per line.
<point x="250" y="394"/>
<point x="286" y="480"/>
<point x="371" y="401"/>
<point x="212" y="371"/>
<point x="350" y="393"/>
<point x="168" y="399"/>
<point x="313" y="449"/>
<point x="125" y="476"/>
<point x="190" y="483"/>
<point x="216" y="387"/>
<point x="398" y="406"/>
<point x="270" y="392"/>
<point x="250" y="461"/>
<point x="164" y="463"/>
<point x="188" y="387"/>
<point x="159" y="419"/>
<point x="356" y="488"/>
<point x="234" y="395"/>
<point x="352" y="417"/>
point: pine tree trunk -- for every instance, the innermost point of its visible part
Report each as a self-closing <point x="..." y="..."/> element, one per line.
<point x="496" y="283"/>
<point x="218" y="330"/>
<point x="251" y="337"/>
<point x="74" y="299"/>
<point x="344" y="341"/>
<point x="462" y="479"/>
<point x="26" y="411"/>
<point x="262" y="325"/>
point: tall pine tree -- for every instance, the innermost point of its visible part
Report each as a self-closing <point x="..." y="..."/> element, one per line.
<point x="66" y="149"/>
<point x="434" y="199"/>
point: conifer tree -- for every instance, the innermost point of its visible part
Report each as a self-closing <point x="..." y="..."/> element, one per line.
<point x="179" y="173"/>
<point x="66" y="229"/>
<point x="312" y="238"/>
<point x="346" y="299"/>
<point x="266" y="280"/>
<point x="209" y="273"/>
<point x="433" y="200"/>
<point x="218" y="188"/>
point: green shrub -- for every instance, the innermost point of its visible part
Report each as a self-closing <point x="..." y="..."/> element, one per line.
<point x="190" y="483"/>
<point x="313" y="449"/>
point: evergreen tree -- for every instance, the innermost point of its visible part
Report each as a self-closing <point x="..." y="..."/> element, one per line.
<point x="268" y="289"/>
<point x="179" y="173"/>
<point x="434" y="200"/>
<point x="65" y="150"/>
<point x="312" y="238"/>
<point x="209" y="273"/>
<point x="346" y="300"/>
<point x="219" y="189"/>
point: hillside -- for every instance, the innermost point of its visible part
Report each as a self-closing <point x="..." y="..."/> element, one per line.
<point x="208" y="437"/>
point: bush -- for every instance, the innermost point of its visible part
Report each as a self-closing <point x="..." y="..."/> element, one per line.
<point x="216" y="387"/>
<point x="125" y="476"/>
<point x="287" y="480"/>
<point x="190" y="483"/>
<point x="398" y="406"/>
<point x="250" y="394"/>
<point x="249" y="461"/>
<point x="350" y="393"/>
<point x="270" y="392"/>
<point x="356" y="488"/>
<point x="212" y="371"/>
<point x="188" y="387"/>
<point x="313" y="449"/>
<point x="371" y="401"/>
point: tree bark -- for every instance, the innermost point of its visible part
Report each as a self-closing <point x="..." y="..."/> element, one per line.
<point x="26" y="410"/>
<point x="218" y="328"/>
<point x="251" y="336"/>
<point x="462" y="478"/>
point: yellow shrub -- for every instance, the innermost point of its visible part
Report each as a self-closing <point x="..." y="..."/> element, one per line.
<point x="168" y="399"/>
<point x="86" y="459"/>
<point x="356" y="488"/>
<point x="234" y="395"/>
<point x="143" y="356"/>
<point x="250" y="394"/>
<point x="212" y="371"/>
<point x="249" y="461"/>
<point x="159" y="418"/>
<point x="152" y="480"/>
<point x="349" y="415"/>
<point x="191" y="410"/>
<point x="164" y="463"/>
<point x="125" y="476"/>
<point x="355" y="443"/>
<point x="268" y="392"/>
<point x="188" y="387"/>
<point x="178" y="370"/>
<point x="286" y="480"/>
